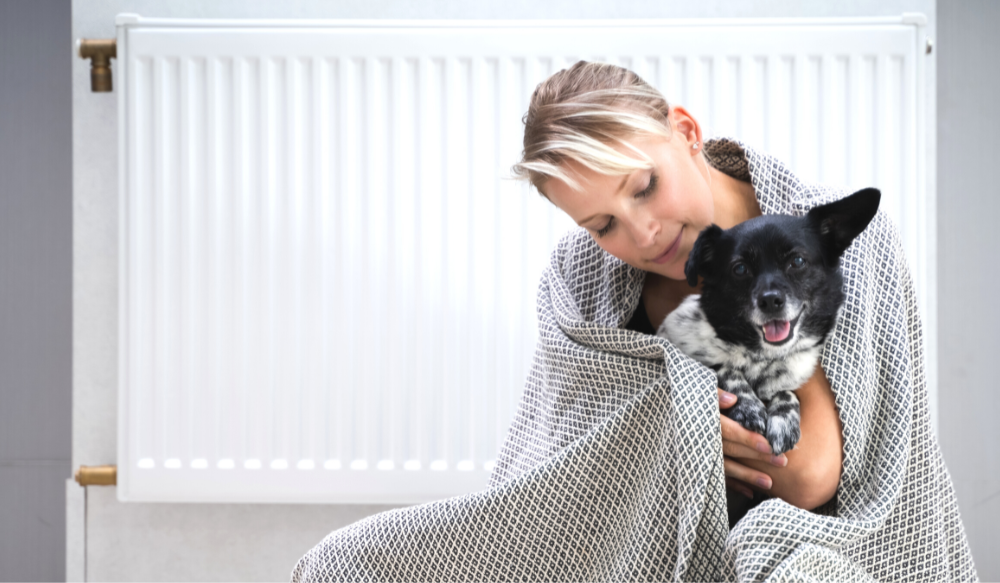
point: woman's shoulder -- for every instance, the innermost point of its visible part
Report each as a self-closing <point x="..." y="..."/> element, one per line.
<point x="576" y="252"/>
<point x="599" y="286"/>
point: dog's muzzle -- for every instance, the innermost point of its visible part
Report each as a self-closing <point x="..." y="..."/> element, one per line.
<point x="779" y="331"/>
<point x="778" y="325"/>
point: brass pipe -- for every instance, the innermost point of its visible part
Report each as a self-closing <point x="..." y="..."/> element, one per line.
<point x="97" y="476"/>
<point x="100" y="52"/>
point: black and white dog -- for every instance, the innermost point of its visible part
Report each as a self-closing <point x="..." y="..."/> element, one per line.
<point x="771" y="291"/>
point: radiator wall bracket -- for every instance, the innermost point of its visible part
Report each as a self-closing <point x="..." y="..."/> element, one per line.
<point x="97" y="476"/>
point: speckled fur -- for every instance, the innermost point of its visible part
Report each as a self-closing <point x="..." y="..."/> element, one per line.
<point x="755" y="375"/>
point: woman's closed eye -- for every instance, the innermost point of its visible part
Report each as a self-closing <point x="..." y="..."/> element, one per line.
<point x="645" y="192"/>
<point x="653" y="179"/>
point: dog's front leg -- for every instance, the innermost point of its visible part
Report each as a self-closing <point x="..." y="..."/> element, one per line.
<point x="783" y="422"/>
<point x="748" y="411"/>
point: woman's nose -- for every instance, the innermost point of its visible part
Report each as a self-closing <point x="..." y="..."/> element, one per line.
<point x="645" y="230"/>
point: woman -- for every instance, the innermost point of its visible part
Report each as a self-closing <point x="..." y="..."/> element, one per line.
<point x="644" y="201"/>
<point x="613" y="467"/>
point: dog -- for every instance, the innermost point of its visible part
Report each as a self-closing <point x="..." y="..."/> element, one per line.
<point x="771" y="290"/>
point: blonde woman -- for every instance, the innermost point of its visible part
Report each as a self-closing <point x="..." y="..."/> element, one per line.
<point x="617" y="462"/>
<point x="608" y="151"/>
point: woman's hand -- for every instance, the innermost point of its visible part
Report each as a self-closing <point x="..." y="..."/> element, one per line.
<point x="808" y="475"/>
<point x="742" y="444"/>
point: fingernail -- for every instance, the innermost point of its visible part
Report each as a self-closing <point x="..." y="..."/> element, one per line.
<point x="764" y="483"/>
<point x="763" y="447"/>
<point x="727" y="398"/>
<point x="779" y="460"/>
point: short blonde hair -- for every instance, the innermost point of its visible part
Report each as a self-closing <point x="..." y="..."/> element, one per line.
<point x="579" y="113"/>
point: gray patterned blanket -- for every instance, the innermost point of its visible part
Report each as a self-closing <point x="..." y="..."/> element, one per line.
<point x="612" y="468"/>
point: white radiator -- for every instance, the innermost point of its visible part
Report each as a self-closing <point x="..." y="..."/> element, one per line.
<point x="326" y="282"/>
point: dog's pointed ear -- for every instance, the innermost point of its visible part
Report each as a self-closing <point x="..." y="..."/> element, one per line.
<point x="702" y="255"/>
<point x="839" y="222"/>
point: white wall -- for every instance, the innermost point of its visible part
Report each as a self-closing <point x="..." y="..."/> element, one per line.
<point x="258" y="542"/>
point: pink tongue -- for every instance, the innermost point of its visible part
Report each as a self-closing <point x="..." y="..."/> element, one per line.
<point x="777" y="330"/>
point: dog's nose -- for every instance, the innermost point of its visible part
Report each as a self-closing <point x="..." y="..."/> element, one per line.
<point x="771" y="301"/>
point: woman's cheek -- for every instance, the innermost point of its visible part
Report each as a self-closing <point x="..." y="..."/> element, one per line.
<point x="617" y="249"/>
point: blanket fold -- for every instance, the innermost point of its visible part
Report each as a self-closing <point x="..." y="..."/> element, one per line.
<point x="613" y="470"/>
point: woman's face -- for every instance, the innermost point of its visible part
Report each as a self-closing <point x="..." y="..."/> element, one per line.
<point x="650" y="218"/>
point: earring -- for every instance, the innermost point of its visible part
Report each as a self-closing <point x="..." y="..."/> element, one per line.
<point x="695" y="145"/>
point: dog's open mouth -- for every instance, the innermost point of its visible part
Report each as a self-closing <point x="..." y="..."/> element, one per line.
<point x="778" y="331"/>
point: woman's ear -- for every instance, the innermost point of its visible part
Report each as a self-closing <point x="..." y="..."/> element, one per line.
<point x="683" y="123"/>
<point x="702" y="256"/>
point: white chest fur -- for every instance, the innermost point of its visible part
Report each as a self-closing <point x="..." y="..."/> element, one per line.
<point x="768" y="369"/>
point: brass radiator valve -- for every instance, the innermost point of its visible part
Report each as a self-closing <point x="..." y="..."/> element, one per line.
<point x="100" y="52"/>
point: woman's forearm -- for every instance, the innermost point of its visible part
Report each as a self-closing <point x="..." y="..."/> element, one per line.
<point x="813" y="472"/>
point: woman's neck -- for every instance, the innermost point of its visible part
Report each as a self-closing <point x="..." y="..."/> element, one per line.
<point x="734" y="200"/>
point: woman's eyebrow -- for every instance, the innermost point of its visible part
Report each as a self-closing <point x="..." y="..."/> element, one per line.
<point x="621" y="187"/>
<point x="625" y="180"/>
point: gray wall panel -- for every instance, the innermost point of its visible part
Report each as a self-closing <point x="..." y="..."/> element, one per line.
<point x="968" y="209"/>
<point x="35" y="286"/>
<point x="33" y="522"/>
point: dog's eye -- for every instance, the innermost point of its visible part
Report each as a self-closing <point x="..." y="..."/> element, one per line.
<point x="740" y="269"/>
<point x="797" y="262"/>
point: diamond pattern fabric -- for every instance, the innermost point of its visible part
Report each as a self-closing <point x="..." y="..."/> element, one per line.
<point x="612" y="467"/>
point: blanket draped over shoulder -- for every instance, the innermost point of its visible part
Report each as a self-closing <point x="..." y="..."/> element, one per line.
<point x="612" y="468"/>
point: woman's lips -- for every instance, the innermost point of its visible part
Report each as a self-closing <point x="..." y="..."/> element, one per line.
<point x="671" y="251"/>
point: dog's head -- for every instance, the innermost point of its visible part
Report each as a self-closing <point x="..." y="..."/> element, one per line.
<point x="774" y="282"/>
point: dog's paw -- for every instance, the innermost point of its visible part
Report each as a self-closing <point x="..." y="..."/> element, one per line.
<point x="782" y="433"/>
<point x="749" y="413"/>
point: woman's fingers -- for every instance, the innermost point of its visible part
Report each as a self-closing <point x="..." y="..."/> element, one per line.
<point x="733" y="431"/>
<point x="735" y="444"/>
<point x="738" y="471"/>
<point x="738" y="450"/>
<point x="726" y="399"/>
<point x="739" y="442"/>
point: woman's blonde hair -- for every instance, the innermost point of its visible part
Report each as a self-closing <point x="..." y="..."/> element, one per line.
<point x="579" y="113"/>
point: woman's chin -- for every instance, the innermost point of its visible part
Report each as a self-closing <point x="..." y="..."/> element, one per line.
<point x="673" y="270"/>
